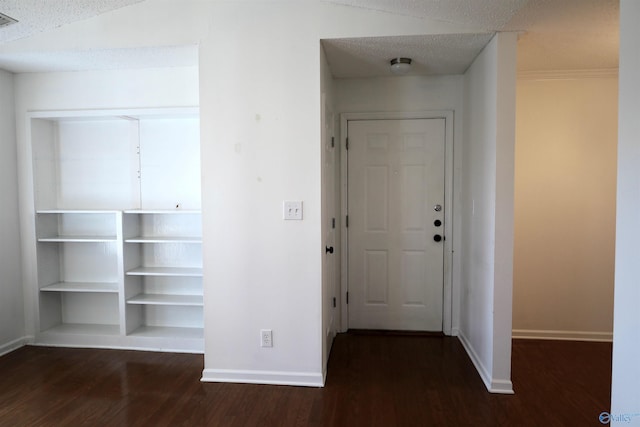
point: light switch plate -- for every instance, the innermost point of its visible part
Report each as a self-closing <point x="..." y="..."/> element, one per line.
<point x="292" y="210"/>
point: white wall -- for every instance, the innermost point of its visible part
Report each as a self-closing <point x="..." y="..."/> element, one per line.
<point x="393" y="94"/>
<point x="260" y="146"/>
<point x="626" y="351"/>
<point x="487" y="211"/>
<point x="11" y="300"/>
<point x="149" y="88"/>
<point x="566" y="140"/>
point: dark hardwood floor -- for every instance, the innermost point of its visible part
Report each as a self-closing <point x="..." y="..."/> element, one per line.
<point x="374" y="380"/>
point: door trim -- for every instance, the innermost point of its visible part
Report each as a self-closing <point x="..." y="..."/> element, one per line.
<point x="447" y="296"/>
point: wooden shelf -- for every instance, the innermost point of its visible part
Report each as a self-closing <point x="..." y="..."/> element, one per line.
<point x="81" y="287"/>
<point x="166" y="271"/>
<point x="78" y="239"/>
<point x="177" y="239"/>
<point x="165" y="299"/>
<point x="84" y="329"/>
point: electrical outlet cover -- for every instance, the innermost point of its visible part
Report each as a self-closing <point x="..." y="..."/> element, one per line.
<point x="266" y="338"/>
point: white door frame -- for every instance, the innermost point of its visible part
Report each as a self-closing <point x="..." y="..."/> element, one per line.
<point x="345" y="118"/>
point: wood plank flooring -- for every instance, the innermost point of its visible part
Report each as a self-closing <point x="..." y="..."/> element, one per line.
<point x="373" y="380"/>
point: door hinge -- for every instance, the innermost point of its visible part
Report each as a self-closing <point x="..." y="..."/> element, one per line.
<point x="333" y="142"/>
<point x="346" y="222"/>
<point x="346" y="146"/>
<point x="347" y="297"/>
<point x="334" y="302"/>
<point x="333" y="223"/>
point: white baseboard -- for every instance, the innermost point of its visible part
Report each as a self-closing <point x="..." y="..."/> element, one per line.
<point x="501" y="387"/>
<point x="534" y="334"/>
<point x="13" y="345"/>
<point x="493" y="385"/>
<point x="307" y="379"/>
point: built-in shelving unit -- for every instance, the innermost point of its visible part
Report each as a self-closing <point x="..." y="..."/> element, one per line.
<point x="78" y="271"/>
<point x="117" y="229"/>
<point x="163" y="270"/>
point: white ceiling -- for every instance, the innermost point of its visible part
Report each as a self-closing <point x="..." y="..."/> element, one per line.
<point x="555" y="35"/>
<point x="431" y="55"/>
<point x="488" y="15"/>
<point x="36" y="16"/>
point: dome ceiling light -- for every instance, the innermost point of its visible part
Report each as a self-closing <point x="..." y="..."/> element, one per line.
<point x="400" y="66"/>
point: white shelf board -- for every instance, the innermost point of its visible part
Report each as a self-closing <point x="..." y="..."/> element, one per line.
<point x="75" y="211"/>
<point x="165" y="299"/>
<point x="117" y="114"/>
<point x="81" y="287"/>
<point x="83" y="329"/>
<point x="168" y="332"/>
<point x="175" y="239"/>
<point x="163" y="211"/>
<point x="78" y="239"/>
<point x="166" y="271"/>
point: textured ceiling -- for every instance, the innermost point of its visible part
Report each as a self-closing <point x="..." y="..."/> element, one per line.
<point x="35" y="16"/>
<point x="486" y="15"/>
<point x="431" y="55"/>
<point x="555" y="35"/>
<point x="39" y="16"/>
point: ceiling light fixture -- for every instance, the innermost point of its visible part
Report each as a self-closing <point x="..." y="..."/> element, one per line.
<point x="400" y="66"/>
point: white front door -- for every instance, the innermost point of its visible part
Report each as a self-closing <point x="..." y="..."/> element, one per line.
<point x="396" y="195"/>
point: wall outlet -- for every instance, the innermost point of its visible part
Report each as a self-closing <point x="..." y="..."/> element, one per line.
<point x="266" y="338"/>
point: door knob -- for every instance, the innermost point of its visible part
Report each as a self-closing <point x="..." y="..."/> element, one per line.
<point x="328" y="249"/>
<point x="437" y="237"/>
